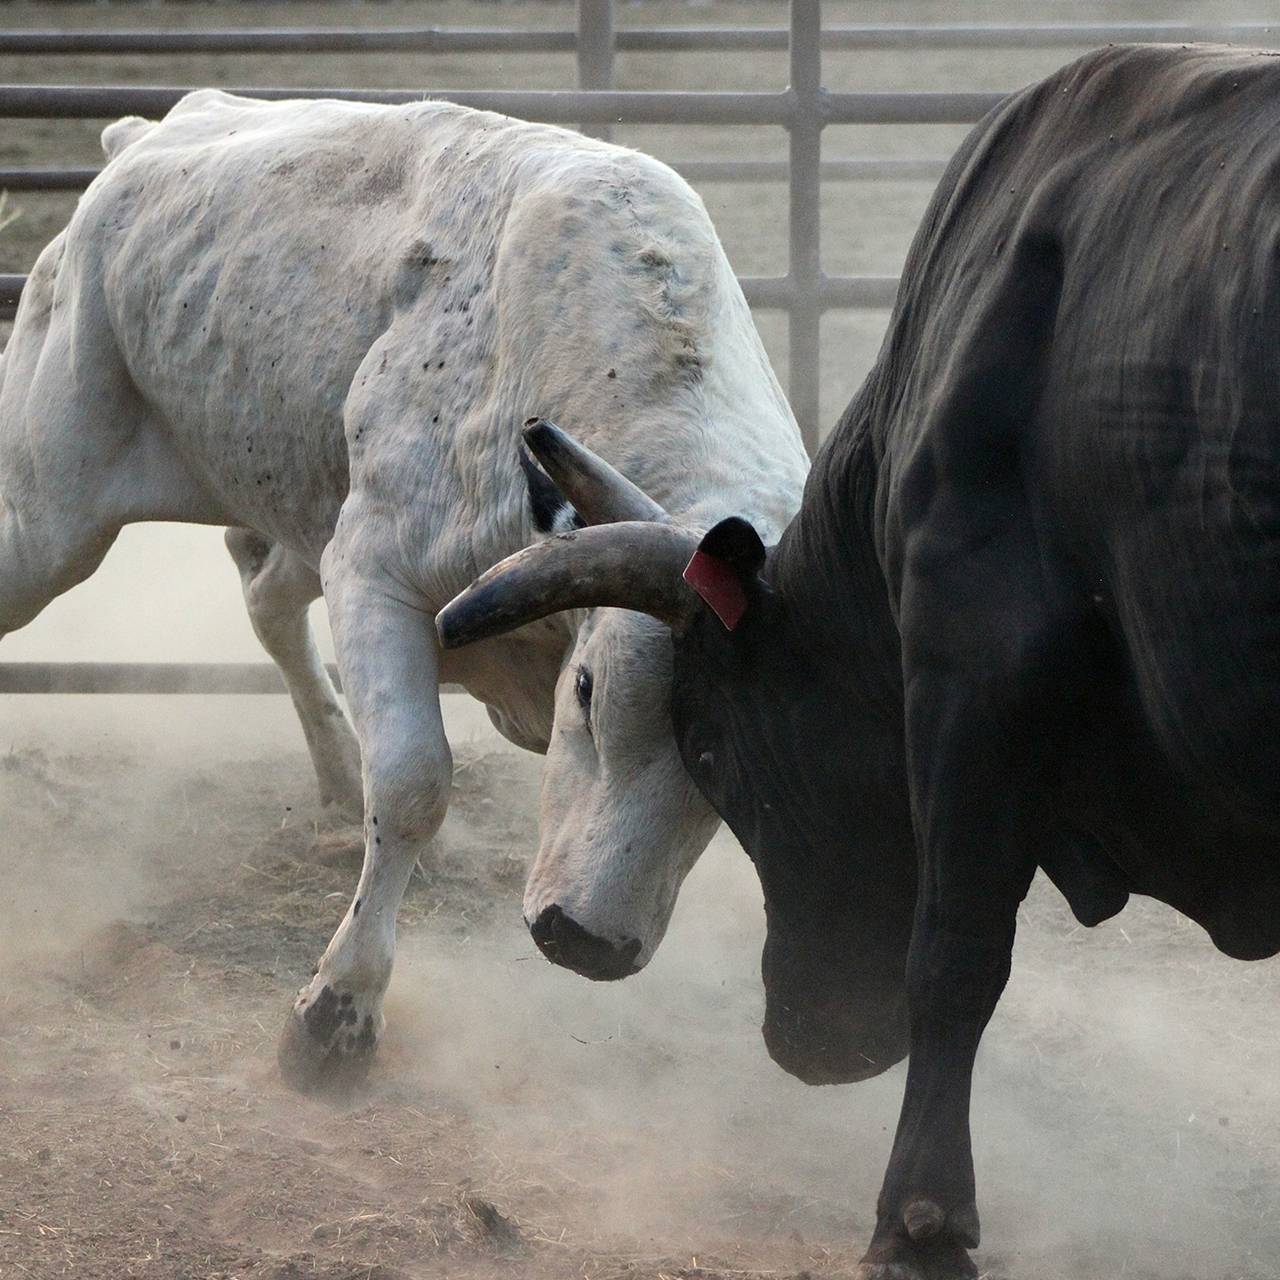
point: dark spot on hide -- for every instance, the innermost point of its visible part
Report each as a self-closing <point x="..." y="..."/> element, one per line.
<point x="613" y="373"/>
<point x="421" y="256"/>
<point x="654" y="259"/>
<point x="323" y="1018"/>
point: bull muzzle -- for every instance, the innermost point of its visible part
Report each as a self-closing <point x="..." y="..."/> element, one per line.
<point x="565" y="942"/>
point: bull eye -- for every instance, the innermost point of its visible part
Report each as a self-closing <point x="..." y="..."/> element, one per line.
<point x="582" y="687"/>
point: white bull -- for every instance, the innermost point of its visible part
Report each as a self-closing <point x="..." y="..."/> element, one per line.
<point x="323" y="324"/>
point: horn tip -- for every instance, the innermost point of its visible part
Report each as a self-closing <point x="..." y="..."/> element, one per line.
<point x="451" y="627"/>
<point x="541" y="434"/>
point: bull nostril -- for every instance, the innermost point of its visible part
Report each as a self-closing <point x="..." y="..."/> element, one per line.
<point x="565" y="942"/>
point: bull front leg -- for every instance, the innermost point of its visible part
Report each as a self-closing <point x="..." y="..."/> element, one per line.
<point x="975" y="870"/>
<point x="387" y="656"/>
<point x="987" y="672"/>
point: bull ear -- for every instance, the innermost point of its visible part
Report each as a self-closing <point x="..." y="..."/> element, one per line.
<point x="599" y="492"/>
<point x="728" y="559"/>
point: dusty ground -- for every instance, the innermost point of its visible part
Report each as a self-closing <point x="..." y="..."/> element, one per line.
<point x="162" y="898"/>
<point x="152" y="926"/>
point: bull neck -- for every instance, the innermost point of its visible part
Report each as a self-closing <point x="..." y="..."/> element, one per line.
<point x="827" y="572"/>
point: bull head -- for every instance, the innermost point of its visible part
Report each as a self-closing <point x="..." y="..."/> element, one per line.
<point x="837" y="869"/>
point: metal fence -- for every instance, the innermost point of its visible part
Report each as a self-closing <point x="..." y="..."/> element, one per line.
<point x="804" y="108"/>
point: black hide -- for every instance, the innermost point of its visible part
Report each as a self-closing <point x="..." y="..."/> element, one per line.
<point x="1030" y="608"/>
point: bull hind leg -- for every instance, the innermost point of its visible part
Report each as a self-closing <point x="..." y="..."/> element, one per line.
<point x="77" y="461"/>
<point x="278" y="589"/>
<point x="41" y="560"/>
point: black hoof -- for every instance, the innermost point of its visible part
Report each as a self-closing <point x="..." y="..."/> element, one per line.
<point x="938" y="1261"/>
<point x="327" y="1046"/>
<point x="927" y="1244"/>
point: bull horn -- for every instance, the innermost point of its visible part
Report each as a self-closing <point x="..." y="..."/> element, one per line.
<point x="629" y="565"/>
<point x="599" y="493"/>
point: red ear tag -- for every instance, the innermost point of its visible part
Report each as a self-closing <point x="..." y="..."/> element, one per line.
<point x="717" y="583"/>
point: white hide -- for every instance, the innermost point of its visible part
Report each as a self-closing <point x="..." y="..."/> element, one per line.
<point x="326" y="322"/>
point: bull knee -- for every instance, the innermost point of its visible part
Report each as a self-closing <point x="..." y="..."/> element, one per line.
<point x="407" y="793"/>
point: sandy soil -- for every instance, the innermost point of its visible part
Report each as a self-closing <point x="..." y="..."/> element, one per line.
<point x="153" y="924"/>
<point x="164" y="894"/>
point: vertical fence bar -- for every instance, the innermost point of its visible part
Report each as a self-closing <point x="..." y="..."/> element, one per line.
<point x="595" y="55"/>
<point x="805" y="178"/>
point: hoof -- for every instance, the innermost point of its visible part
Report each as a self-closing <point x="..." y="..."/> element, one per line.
<point x="328" y="1043"/>
<point x="926" y="1268"/>
<point x="929" y="1244"/>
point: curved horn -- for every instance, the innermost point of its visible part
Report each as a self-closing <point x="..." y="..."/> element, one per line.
<point x="599" y="493"/>
<point x="631" y="565"/>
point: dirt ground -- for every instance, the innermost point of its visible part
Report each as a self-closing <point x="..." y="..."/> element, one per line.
<point x="163" y="893"/>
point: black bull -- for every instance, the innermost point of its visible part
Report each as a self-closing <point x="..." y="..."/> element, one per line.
<point x="1029" y="613"/>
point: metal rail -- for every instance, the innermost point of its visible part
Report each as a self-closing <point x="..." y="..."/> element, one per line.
<point x="142" y="677"/>
<point x="865" y="38"/>
<point x="595" y="47"/>
<point x="100" y="102"/>
<point x="853" y="169"/>
<point x="46" y="179"/>
<point x="804" y="268"/>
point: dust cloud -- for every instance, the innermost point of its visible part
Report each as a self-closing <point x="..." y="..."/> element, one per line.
<point x="160" y="890"/>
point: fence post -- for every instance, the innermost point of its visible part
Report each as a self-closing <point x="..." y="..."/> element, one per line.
<point x="595" y="55"/>
<point x="805" y="179"/>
